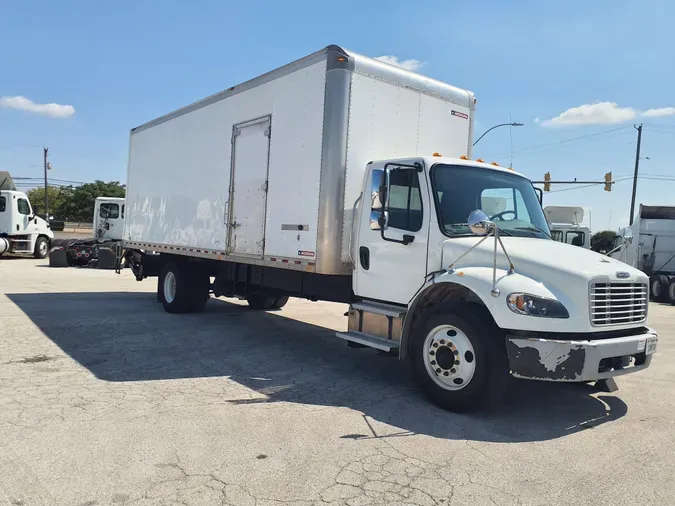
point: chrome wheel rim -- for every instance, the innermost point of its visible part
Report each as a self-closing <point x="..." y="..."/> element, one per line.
<point x="43" y="248"/>
<point x="449" y="357"/>
<point x="169" y="287"/>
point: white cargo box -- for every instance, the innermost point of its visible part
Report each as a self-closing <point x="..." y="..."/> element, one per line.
<point x="267" y="172"/>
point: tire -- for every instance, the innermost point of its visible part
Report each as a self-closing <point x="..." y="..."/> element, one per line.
<point x="183" y="288"/>
<point x="260" y="302"/>
<point x="174" y="290"/>
<point x="475" y="370"/>
<point x="200" y="291"/>
<point x="280" y="302"/>
<point x="41" y="248"/>
<point x="658" y="288"/>
<point x="671" y="292"/>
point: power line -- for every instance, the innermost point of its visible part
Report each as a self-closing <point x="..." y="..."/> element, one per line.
<point x="565" y="141"/>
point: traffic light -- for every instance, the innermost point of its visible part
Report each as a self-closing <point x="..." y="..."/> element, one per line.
<point x="608" y="182"/>
<point x="547" y="182"/>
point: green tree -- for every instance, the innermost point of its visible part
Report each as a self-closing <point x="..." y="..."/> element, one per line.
<point x="80" y="205"/>
<point x="603" y="241"/>
<point x="58" y="198"/>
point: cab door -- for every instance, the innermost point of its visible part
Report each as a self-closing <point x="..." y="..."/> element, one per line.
<point x="391" y="264"/>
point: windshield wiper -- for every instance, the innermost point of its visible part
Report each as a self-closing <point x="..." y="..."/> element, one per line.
<point x="534" y="229"/>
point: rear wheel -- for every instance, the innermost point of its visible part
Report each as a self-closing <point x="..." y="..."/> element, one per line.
<point x="671" y="292"/>
<point x="259" y="301"/>
<point x="183" y="288"/>
<point x="41" y="248"/>
<point x="659" y="287"/>
<point x="459" y="362"/>
<point x="280" y="302"/>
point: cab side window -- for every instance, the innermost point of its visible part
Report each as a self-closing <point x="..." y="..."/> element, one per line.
<point x="110" y="211"/>
<point x="3" y="204"/>
<point x="23" y="206"/>
<point x="405" y="200"/>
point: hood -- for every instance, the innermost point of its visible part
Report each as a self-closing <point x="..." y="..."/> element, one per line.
<point x="539" y="258"/>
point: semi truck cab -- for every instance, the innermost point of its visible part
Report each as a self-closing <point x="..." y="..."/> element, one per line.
<point x="21" y="230"/>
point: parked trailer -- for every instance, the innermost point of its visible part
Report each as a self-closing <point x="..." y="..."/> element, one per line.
<point x="316" y="180"/>
<point x="22" y="232"/>
<point x="649" y="245"/>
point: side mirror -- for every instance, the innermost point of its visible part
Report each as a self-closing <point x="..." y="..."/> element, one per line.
<point x="385" y="184"/>
<point x="479" y="223"/>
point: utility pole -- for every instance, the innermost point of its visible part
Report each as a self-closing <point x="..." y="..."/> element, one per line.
<point x="46" y="150"/>
<point x="635" y="175"/>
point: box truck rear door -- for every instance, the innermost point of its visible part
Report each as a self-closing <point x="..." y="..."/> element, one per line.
<point x="248" y="187"/>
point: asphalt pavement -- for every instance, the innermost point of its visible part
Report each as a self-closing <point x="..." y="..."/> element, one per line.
<point x="105" y="399"/>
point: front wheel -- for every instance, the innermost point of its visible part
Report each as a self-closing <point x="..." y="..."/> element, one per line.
<point x="41" y="248"/>
<point x="459" y="362"/>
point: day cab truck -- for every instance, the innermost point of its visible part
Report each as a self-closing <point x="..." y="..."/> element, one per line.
<point x="565" y="223"/>
<point x="22" y="232"/>
<point x="342" y="178"/>
<point x="649" y="245"/>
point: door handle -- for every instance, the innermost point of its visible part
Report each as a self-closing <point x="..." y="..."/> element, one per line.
<point x="364" y="258"/>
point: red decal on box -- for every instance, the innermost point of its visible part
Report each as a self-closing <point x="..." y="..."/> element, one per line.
<point x="306" y="253"/>
<point x="459" y="114"/>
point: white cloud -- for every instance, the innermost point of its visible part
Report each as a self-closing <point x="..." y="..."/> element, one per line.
<point x="601" y="113"/>
<point x="410" y="64"/>
<point x="659" y="112"/>
<point x="24" y="104"/>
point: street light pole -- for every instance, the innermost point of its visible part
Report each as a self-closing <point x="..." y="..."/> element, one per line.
<point x="635" y="174"/>
<point x="46" y="151"/>
<point x="514" y="124"/>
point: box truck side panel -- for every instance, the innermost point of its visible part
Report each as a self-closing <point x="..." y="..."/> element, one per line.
<point x="180" y="170"/>
<point x="391" y="121"/>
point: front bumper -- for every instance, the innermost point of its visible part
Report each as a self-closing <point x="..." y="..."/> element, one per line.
<point x="578" y="360"/>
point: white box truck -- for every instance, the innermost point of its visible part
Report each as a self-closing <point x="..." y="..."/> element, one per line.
<point x="649" y="245"/>
<point x="22" y="232"/>
<point x="342" y="178"/>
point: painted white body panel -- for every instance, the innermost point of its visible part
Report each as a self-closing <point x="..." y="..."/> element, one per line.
<point x="179" y="170"/>
<point x="109" y="226"/>
<point x="388" y="122"/>
<point x="20" y="227"/>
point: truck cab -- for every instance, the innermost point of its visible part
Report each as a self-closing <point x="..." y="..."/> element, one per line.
<point x="109" y="218"/>
<point x="470" y="296"/>
<point x="566" y="225"/>
<point x="21" y="230"/>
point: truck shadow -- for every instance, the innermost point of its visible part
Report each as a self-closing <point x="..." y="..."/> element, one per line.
<point x="126" y="336"/>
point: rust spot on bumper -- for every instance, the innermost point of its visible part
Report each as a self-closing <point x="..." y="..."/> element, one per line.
<point x="545" y="360"/>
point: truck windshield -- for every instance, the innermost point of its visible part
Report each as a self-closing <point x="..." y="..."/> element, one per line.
<point x="508" y="199"/>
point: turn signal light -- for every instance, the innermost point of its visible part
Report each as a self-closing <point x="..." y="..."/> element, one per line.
<point x="437" y="154"/>
<point x="495" y="164"/>
<point x="480" y="160"/>
<point x="463" y="157"/>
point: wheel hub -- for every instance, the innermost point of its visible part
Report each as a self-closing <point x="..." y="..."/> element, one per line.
<point x="449" y="358"/>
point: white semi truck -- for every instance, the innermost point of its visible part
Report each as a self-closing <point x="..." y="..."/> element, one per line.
<point x="21" y="230"/>
<point x="649" y="245"/>
<point x="342" y="178"/>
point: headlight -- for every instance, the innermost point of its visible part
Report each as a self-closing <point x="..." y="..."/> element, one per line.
<point x="531" y="305"/>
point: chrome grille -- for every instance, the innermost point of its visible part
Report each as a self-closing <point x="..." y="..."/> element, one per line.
<point x="617" y="303"/>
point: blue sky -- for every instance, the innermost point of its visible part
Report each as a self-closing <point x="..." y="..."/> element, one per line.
<point x="120" y="64"/>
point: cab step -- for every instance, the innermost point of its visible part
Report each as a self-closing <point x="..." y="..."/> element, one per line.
<point x="380" y="308"/>
<point x="368" y="340"/>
